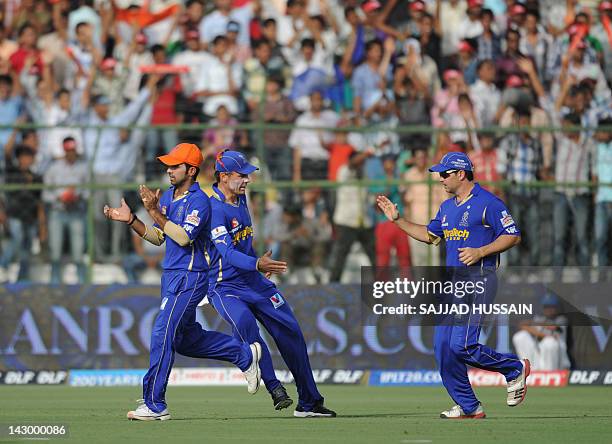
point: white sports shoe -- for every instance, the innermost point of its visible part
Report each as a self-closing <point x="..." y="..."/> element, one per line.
<point x="253" y="373"/>
<point x="517" y="388"/>
<point x="457" y="412"/>
<point x="144" y="413"/>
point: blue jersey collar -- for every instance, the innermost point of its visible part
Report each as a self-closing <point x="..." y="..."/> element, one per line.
<point x="222" y="198"/>
<point x="218" y="192"/>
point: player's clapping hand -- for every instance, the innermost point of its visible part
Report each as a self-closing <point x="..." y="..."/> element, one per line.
<point x="150" y="199"/>
<point x="121" y="214"/>
<point x="469" y="256"/>
<point x="387" y="207"/>
<point x="269" y="266"/>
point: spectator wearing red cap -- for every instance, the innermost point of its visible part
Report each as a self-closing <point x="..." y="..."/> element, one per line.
<point x="467" y="61"/>
<point x="445" y="100"/>
<point x="539" y="117"/>
<point x="578" y="30"/>
<point x="195" y="58"/>
<point x="471" y="26"/>
<point x="416" y="11"/>
<point x="136" y="55"/>
<point x="109" y="81"/>
<point x="576" y="65"/>
<point x="448" y="18"/>
<point x="66" y="208"/>
<point x="517" y="15"/>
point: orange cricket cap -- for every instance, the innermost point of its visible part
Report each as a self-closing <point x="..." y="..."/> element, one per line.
<point x="183" y="153"/>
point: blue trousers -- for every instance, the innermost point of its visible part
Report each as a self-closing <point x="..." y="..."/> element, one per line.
<point x="176" y="330"/>
<point x="242" y="309"/>
<point x="456" y="346"/>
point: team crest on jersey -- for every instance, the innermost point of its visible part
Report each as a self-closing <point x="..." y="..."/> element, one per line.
<point x="464" y="219"/>
<point x="277" y="300"/>
<point x="506" y="220"/>
<point x="235" y="223"/>
<point x="192" y="218"/>
<point x="164" y="209"/>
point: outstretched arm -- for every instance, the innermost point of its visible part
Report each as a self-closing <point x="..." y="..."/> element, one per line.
<point x="415" y="231"/>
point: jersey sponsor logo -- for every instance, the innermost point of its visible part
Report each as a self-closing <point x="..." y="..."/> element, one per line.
<point x="243" y="234"/>
<point x="277" y="300"/>
<point x="163" y="304"/>
<point x="164" y="209"/>
<point x="511" y="230"/>
<point x="180" y="211"/>
<point x="456" y="235"/>
<point x="464" y="219"/>
<point x="219" y="231"/>
<point x="188" y="228"/>
<point x="221" y="241"/>
<point x="192" y="218"/>
<point x="235" y="223"/>
<point x="444" y="223"/>
<point x="506" y="220"/>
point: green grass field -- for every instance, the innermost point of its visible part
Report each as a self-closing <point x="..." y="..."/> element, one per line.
<point x="367" y="414"/>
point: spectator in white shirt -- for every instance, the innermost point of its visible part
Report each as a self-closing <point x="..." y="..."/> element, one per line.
<point x="215" y="23"/>
<point x="310" y="157"/>
<point x="471" y="26"/>
<point x="220" y="80"/>
<point x="485" y="94"/>
<point x="140" y="57"/>
<point x="194" y="58"/>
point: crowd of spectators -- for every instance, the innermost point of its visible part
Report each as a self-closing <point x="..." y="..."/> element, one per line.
<point x="468" y="69"/>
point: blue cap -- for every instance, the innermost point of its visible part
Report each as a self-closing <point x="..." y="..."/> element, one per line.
<point x="232" y="161"/>
<point x="550" y="299"/>
<point x="454" y="160"/>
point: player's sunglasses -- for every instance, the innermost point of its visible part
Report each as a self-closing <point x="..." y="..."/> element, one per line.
<point x="446" y="174"/>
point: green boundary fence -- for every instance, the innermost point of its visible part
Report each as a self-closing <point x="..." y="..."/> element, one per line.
<point x="257" y="129"/>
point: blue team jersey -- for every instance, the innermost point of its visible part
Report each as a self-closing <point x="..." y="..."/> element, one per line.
<point x="191" y="211"/>
<point x="480" y="219"/>
<point x="233" y="260"/>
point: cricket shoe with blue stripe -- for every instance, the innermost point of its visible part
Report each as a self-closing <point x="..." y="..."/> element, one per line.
<point x="318" y="411"/>
<point x="517" y="388"/>
<point x="144" y="413"/>
<point x="253" y="373"/>
<point x="457" y="412"/>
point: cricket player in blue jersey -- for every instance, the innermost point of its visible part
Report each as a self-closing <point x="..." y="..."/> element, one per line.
<point x="243" y="295"/>
<point x="476" y="227"/>
<point x="182" y="220"/>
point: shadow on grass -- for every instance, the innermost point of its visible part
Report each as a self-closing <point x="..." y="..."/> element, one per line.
<point x="339" y="417"/>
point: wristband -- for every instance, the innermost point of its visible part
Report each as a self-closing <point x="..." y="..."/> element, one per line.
<point x="257" y="264"/>
<point x="395" y="219"/>
<point x="132" y="220"/>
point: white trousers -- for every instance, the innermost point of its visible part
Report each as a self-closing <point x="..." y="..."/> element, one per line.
<point x="548" y="354"/>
